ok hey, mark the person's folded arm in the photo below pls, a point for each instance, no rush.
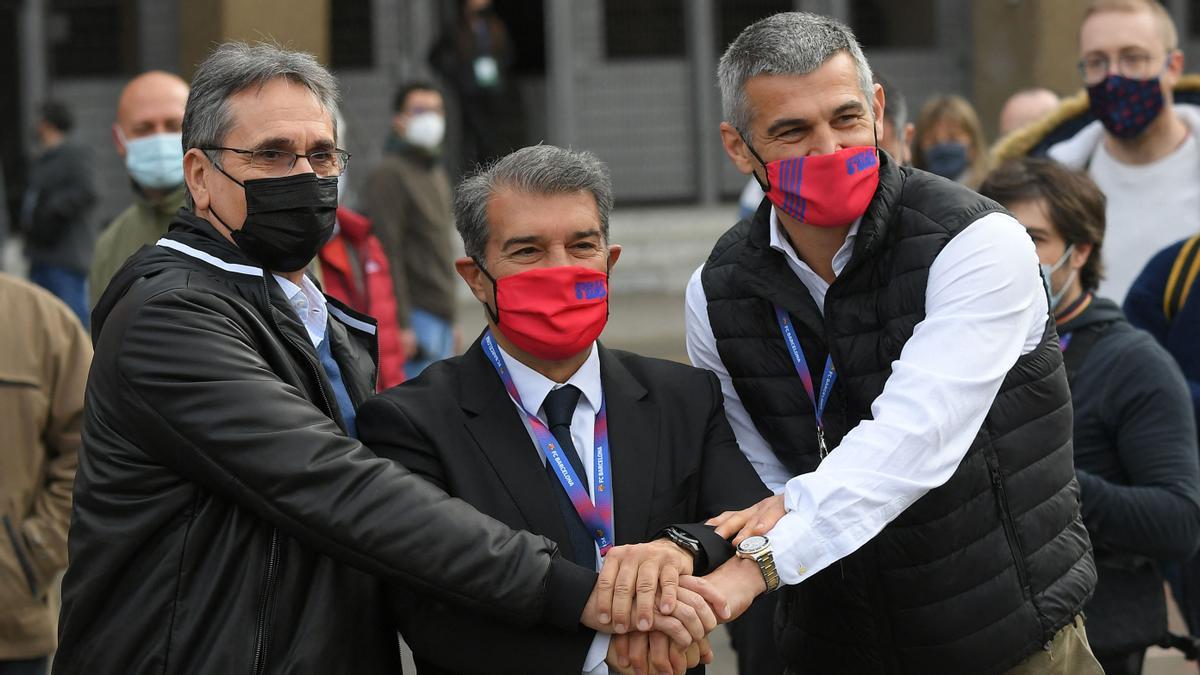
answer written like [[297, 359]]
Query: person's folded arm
[[211, 409], [984, 296], [1157, 514]]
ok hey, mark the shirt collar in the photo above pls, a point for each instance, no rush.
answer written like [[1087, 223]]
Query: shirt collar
[[533, 386], [779, 242], [314, 322]]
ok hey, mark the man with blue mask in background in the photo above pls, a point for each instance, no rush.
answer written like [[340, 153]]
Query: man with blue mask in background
[[146, 133]]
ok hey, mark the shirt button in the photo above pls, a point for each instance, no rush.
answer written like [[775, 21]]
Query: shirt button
[[802, 570]]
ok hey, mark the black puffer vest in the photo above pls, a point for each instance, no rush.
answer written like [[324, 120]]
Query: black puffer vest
[[979, 573]]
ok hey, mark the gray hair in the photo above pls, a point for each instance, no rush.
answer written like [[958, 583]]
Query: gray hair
[[234, 67], [538, 169], [790, 43]]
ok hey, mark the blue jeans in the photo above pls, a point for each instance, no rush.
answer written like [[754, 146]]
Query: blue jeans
[[70, 287], [435, 341]]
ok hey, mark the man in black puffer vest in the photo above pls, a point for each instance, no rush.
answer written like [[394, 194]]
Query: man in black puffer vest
[[927, 512]]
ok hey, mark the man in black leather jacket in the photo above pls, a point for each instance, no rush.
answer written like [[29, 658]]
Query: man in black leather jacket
[[225, 519]]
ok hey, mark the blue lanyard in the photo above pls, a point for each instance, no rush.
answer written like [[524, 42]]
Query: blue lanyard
[[1064, 341], [827, 378], [597, 517]]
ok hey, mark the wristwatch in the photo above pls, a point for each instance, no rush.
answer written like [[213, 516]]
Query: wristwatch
[[758, 549], [687, 542]]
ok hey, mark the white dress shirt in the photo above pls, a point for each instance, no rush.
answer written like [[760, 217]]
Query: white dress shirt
[[309, 305], [533, 388], [985, 305]]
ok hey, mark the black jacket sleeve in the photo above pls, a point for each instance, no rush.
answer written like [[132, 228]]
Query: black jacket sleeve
[[727, 481], [210, 408], [450, 637], [1158, 513]]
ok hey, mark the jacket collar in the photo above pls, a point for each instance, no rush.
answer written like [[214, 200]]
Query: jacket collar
[[633, 427], [195, 239]]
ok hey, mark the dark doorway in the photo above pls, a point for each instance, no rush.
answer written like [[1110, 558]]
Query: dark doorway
[[12, 127]]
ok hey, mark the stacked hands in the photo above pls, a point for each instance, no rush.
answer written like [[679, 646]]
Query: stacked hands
[[659, 614]]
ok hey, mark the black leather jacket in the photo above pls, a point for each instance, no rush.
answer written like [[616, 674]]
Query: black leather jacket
[[224, 522]]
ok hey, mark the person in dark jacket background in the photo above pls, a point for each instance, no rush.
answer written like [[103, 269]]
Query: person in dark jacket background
[[56, 215], [225, 518], [1158, 303], [1135, 439]]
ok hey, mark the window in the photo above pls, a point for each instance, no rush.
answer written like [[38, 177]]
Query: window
[[734, 15], [351, 37], [644, 29], [92, 38], [888, 24]]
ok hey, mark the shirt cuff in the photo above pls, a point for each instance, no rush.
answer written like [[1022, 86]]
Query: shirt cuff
[[798, 553], [594, 663]]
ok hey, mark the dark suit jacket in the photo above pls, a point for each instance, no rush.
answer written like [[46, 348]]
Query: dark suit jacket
[[674, 460]]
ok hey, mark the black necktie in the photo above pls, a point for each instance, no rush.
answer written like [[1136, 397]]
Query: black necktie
[[559, 407]]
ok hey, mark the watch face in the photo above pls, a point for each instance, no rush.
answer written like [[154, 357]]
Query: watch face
[[752, 544]]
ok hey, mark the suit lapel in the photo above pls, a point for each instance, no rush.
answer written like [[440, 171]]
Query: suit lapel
[[633, 439], [496, 426]]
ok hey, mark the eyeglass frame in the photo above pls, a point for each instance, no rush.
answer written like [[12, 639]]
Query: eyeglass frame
[[1145, 59], [296, 156]]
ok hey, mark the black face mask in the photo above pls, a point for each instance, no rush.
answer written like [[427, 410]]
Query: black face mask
[[288, 219]]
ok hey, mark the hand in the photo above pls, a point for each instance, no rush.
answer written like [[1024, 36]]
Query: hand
[[408, 342], [653, 652], [739, 580], [636, 574], [758, 519]]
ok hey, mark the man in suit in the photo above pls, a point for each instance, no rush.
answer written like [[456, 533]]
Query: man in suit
[[544, 429]]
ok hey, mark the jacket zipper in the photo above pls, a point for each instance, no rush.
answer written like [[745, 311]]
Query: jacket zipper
[[261, 639], [262, 636], [26, 568], [1010, 532]]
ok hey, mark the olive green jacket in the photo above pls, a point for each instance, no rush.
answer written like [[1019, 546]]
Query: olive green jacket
[[139, 225]]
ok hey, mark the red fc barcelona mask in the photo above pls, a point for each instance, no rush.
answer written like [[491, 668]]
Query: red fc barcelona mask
[[552, 313], [823, 190]]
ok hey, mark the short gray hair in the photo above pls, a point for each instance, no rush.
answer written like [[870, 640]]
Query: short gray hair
[[539, 170], [790, 43], [234, 67]]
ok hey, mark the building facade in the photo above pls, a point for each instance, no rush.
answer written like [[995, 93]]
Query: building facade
[[631, 80]]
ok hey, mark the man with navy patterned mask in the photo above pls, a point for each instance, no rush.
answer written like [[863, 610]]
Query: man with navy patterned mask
[[1141, 149]]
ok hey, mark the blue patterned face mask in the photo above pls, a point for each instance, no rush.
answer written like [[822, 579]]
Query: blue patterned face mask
[[155, 162], [1126, 106]]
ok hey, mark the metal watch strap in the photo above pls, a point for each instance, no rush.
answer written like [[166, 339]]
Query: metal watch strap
[[766, 566]]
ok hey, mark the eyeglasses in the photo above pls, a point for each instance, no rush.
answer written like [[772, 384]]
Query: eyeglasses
[[1134, 65], [324, 163]]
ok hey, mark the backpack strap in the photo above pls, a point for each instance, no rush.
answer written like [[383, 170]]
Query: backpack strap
[[1183, 274]]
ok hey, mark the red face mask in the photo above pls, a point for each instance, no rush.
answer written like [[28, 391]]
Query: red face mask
[[551, 312], [823, 190]]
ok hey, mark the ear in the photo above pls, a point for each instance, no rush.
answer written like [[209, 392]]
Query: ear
[[196, 170], [736, 148], [1175, 63], [120, 144], [1080, 255], [877, 104], [614, 252], [477, 281], [398, 124]]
